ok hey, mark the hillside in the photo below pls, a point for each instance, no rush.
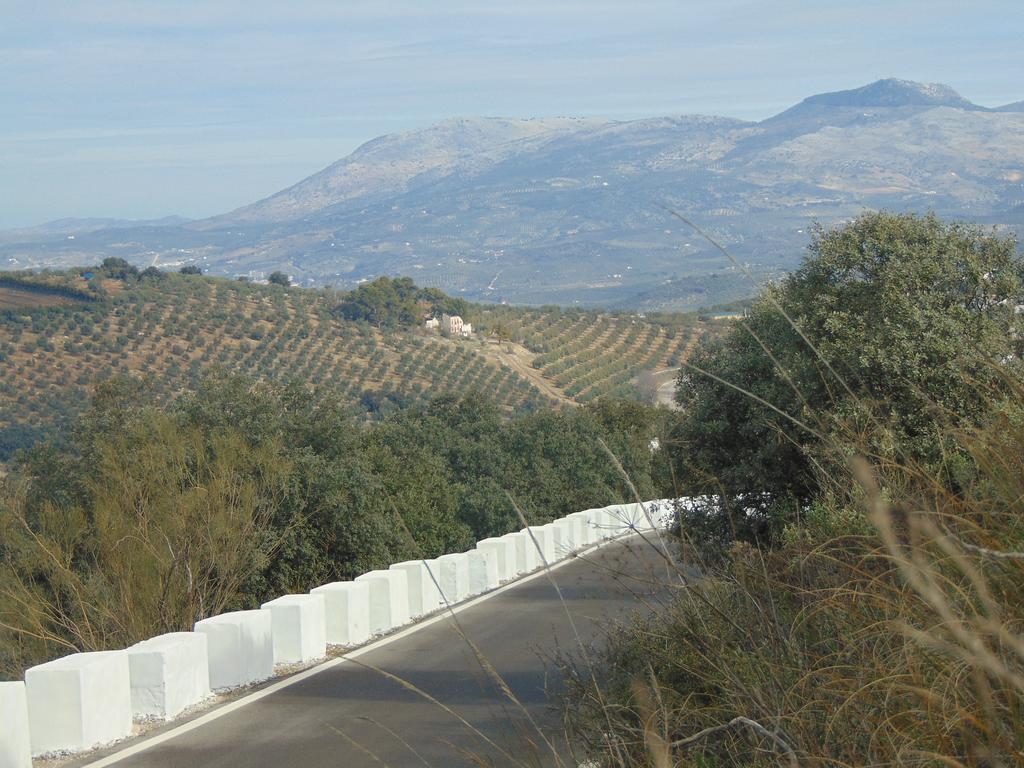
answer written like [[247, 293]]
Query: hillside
[[569, 211], [171, 328]]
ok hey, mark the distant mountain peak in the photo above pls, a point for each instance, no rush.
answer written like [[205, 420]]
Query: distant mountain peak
[[1017, 106], [892, 92]]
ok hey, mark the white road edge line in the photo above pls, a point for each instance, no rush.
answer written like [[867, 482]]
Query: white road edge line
[[209, 717]]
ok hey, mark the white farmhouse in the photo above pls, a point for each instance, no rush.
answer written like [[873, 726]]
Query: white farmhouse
[[451, 324]]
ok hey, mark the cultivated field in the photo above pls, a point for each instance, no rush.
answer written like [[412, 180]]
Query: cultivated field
[[18, 298], [585, 355], [171, 330]]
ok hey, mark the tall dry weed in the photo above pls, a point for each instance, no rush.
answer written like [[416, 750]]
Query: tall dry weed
[[886, 629]]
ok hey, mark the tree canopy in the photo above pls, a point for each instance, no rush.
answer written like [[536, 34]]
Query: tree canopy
[[279, 278], [243, 490], [118, 268], [397, 303], [902, 322]]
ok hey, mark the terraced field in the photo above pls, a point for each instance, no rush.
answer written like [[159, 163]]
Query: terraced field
[[586, 355], [172, 329]]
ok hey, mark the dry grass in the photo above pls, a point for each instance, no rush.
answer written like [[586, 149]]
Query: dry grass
[[885, 628], [19, 299], [893, 640]]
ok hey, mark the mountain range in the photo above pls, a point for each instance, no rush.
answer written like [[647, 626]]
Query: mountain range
[[576, 210]]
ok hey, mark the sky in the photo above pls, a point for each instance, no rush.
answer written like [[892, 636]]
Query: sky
[[147, 108]]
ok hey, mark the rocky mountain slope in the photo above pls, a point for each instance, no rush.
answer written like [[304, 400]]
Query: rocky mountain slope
[[566, 210]]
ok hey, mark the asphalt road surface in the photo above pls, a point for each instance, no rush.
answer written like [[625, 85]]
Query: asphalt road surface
[[353, 715]]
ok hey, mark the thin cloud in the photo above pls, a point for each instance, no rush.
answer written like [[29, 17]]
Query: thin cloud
[[97, 86]]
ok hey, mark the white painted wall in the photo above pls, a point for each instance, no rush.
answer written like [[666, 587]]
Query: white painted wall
[[558, 540], [579, 530], [635, 517], [608, 523], [434, 577], [591, 519], [568, 537]]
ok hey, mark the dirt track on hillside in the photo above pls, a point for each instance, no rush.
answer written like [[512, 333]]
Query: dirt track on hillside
[[519, 361]]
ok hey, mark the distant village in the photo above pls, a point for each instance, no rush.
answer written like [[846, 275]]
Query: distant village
[[449, 325]]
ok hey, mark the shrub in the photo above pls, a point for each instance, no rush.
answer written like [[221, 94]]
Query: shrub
[[889, 327]]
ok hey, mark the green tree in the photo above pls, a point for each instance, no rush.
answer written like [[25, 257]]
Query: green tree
[[279, 278], [243, 489], [397, 303], [166, 527], [118, 268], [908, 321]]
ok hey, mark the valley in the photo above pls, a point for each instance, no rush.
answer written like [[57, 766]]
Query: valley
[[573, 211]]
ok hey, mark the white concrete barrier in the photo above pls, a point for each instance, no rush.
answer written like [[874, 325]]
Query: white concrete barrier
[[652, 514], [298, 628], [527, 557], [586, 525], [240, 646], [582, 530], [543, 542], [483, 570], [658, 514], [663, 513], [453, 570], [169, 673], [504, 549], [346, 611], [608, 523], [592, 522], [568, 537], [79, 702], [517, 566], [15, 748], [623, 517], [638, 517], [557, 540], [389, 600], [434, 578], [424, 596], [88, 699]]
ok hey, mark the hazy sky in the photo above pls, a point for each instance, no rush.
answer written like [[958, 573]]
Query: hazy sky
[[136, 108]]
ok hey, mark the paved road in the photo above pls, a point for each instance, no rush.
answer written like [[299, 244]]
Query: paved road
[[351, 716]]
